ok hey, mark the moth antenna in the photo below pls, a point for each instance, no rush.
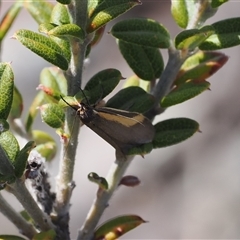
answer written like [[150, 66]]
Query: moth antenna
[[85, 97]]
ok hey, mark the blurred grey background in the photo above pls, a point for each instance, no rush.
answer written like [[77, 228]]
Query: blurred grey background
[[187, 191]]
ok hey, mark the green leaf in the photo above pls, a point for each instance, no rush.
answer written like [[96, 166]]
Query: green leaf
[[52, 114], [191, 39], [180, 12], [11, 237], [102, 83], [20, 162], [40, 10], [218, 3], [42, 46], [100, 181], [116, 227], [60, 15], [146, 62], [6, 89], [201, 65], [133, 99], [10, 144], [46, 145], [17, 105], [173, 131], [184, 92], [46, 27], [135, 81], [38, 100], [104, 11], [67, 31], [145, 32], [9, 17], [226, 34]]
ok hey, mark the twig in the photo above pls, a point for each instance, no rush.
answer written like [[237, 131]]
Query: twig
[[115, 174], [24, 227]]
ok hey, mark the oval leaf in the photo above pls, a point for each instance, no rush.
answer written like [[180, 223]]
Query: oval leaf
[[104, 11], [102, 83], [146, 62], [116, 227], [180, 12], [145, 32], [42, 46], [100, 181], [184, 92], [226, 34], [173, 131], [10, 144], [52, 114], [60, 15], [6, 89]]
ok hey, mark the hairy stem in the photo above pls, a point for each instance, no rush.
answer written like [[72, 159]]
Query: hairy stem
[[114, 176], [24, 227]]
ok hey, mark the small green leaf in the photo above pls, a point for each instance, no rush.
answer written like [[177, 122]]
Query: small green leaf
[[100, 181], [6, 89], [145, 32], [40, 10], [10, 144], [191, 39], [131, 99], [38, 101], [146, 62], [105, 11], [9, 18], [184, 92], [11, 237], [116, 227], [180, 12], [173, 131], [67, 31], [21, 159], [218, 3], [52, 114], [17, 105], [102, 83], [226, 34], [60, 15], [46, 145], [42, 46]]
